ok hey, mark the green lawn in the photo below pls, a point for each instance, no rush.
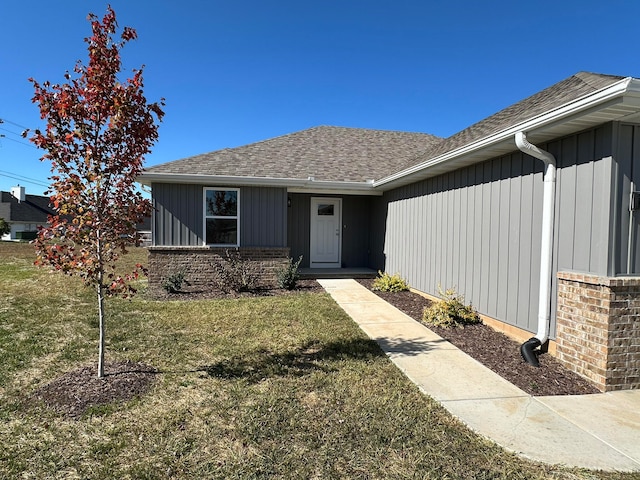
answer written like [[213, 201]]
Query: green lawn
[[269, 387]]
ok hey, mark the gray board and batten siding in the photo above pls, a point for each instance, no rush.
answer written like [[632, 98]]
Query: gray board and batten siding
[[266, 220], [626, 257], [178, 215], [478, 228]]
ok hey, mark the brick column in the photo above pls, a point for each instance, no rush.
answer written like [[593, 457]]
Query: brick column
[[598, 328]]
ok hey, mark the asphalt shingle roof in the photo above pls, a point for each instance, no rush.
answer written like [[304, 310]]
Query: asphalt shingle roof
[[570, 89], [357, 155], [325, 153], [34, 209]]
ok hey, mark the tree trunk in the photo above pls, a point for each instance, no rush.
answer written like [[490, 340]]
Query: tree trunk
[[100, 292]]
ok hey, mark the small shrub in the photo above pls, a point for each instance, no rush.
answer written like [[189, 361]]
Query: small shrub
[[389, 283], [5, 228], [288, 276], [173, 283], [235, 273], [450, 311]]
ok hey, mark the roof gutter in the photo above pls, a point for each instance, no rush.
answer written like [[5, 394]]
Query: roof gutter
[[626, 85], [546, 248], [298, 184]]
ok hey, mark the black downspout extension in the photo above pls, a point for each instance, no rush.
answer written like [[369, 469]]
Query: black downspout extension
[[527, 351]]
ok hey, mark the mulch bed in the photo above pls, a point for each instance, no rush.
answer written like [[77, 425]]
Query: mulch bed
[[75, 392], [192, 293], [497, 352]]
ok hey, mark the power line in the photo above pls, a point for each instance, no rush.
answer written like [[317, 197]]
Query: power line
[[12, 175], [18, 141], [18, 175], [23, 179], [17, 134], [4, 120]]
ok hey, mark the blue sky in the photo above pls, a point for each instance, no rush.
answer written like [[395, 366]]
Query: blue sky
[[236, 72]]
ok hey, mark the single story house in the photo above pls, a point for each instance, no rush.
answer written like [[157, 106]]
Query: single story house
[[529, 213], [24, 213]]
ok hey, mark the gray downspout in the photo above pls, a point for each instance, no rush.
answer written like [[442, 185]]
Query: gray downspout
[[546, 248]]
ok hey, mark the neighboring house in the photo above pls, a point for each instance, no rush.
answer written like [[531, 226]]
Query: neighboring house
[[144, 231], [24, 213], [465, 212]]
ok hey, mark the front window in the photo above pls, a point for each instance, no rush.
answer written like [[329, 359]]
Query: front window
[[221, 216]]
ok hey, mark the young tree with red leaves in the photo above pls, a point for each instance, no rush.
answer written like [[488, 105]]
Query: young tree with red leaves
[[97, 133]]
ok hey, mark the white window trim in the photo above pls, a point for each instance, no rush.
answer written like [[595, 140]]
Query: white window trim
[[205, 217]]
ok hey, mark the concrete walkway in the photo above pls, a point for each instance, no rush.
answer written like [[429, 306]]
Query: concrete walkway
[[599, 431]]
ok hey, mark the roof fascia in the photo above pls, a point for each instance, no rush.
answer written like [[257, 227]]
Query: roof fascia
[[628, 85], [295, 185], [337, 190], [148, 178]]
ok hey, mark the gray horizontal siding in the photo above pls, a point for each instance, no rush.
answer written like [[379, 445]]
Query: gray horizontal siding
[[478, 229], [178, 215]]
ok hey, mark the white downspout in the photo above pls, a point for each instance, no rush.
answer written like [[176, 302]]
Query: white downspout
[[546, 248]]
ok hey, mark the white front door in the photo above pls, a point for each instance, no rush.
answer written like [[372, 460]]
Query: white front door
[[326, 232]]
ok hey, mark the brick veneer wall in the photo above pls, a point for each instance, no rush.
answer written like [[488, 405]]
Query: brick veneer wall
[[198, 264], [598, 328]]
